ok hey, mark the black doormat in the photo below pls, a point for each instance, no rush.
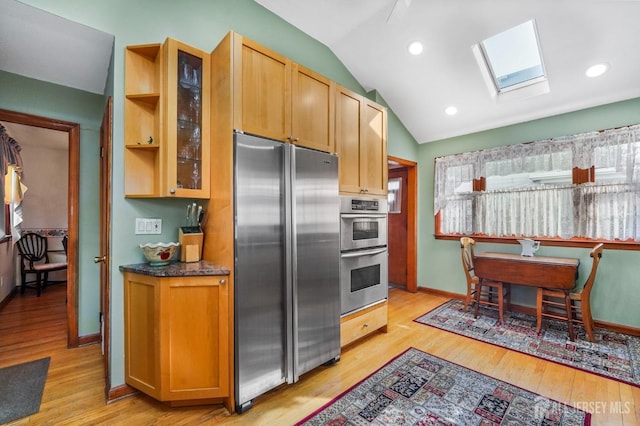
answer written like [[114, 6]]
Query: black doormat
[[21, 388]]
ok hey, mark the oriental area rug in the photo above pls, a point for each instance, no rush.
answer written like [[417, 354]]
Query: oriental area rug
[[613, 355], [417, 388]]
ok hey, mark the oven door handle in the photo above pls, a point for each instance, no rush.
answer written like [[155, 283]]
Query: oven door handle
[[362, 216], [363, 253]]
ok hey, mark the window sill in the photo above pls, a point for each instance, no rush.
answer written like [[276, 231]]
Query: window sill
[[574, 242]]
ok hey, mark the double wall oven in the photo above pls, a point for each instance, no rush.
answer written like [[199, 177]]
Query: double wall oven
[[363, 252]]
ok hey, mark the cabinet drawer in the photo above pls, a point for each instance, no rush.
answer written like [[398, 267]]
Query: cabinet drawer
[[359, 324]]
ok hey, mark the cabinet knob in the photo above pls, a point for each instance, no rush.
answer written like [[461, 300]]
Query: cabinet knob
[[365, 325], [290, 137], [172, 191], [296, 139], [223, 281]]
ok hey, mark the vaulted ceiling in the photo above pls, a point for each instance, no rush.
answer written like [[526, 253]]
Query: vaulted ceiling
[[371, 37]]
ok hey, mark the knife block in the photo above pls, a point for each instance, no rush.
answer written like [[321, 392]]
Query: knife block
[[190, 238]]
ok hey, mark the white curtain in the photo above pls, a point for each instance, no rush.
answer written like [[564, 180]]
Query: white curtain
[[530, 192]]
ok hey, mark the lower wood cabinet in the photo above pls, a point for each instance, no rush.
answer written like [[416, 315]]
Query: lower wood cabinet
[[177, 337], [362, 323]]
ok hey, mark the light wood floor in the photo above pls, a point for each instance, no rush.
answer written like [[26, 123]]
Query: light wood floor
[[31, 328]]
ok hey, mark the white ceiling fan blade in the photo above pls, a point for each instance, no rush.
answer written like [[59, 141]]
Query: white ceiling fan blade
[[399, 10]]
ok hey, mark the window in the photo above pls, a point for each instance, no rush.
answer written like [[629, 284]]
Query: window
[[583, 186], [512, 60], [394, 195]]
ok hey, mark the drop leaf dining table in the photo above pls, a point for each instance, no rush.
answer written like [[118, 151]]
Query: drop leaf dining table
[[558, 273]]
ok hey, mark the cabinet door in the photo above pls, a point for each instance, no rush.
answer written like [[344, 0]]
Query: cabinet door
[[312, 110], [185, 167], [141, 346], [373, 163], [194, 337], [349, 106], [262, 91]]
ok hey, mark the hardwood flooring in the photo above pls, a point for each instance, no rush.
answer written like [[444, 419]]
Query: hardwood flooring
[[31, 328]]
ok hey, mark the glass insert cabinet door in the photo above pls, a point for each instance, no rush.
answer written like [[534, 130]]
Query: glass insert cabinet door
[[187, 115]]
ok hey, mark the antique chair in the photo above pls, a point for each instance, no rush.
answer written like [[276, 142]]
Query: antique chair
[[34, 255], [572, 306], [479, 291]]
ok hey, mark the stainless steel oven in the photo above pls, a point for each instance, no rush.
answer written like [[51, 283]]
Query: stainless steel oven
[[363, 223], [363, 252]]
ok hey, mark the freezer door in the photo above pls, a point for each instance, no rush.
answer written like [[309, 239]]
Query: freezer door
[[316, 259], [260, 277]]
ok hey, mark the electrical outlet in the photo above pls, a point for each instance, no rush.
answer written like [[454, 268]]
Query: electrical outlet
[[148, 226]]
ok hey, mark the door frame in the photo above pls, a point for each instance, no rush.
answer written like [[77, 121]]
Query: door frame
[[412, 220], [73, 187], [105, 241]]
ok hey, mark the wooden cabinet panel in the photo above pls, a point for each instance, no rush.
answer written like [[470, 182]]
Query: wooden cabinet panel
[[278, 99], [141, 349], [313, 100], [361, 143], [349, 107], [374, 149], [362, 323], [177, 337], [264, 85]]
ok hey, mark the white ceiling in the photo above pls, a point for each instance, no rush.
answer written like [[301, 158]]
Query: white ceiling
[[574, 34], [46, 47]]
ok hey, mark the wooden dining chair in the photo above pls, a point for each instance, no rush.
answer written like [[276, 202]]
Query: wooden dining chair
[[34, 259], [573, 306], [481, 291]]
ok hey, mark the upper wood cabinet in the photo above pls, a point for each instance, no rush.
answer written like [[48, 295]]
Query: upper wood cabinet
[[361, 143], [279, 99], [167, 141]]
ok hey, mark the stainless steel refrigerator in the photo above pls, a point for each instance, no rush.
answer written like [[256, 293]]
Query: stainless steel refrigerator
[[287, 253]]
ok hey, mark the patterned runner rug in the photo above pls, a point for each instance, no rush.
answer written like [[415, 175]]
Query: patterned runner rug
[[612, 355], [416, 388]]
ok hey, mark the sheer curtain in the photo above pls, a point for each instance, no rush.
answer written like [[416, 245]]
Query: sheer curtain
[[529, 189]]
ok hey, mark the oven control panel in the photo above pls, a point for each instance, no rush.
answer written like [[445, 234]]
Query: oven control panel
[[363, 205]]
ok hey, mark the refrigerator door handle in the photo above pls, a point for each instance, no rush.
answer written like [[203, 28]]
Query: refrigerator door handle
[[362, 253], [291, 308]]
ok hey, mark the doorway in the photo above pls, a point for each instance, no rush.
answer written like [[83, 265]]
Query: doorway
[[403, 203], [73, 134]]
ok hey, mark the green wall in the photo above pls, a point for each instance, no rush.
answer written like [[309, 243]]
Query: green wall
[[201, 24], [614, 297], [49, 100]]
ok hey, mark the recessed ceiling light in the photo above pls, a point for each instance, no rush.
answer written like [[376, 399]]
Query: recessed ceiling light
[[415, 48], [597, 70], [451, 110]]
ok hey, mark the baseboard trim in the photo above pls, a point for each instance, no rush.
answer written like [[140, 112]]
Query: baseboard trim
[[9, 297], [120, 392], [616, 328], [88, 339]]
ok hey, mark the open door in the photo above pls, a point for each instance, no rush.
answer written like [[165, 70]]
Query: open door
[[403, 269], [105, 244], [73, 187]]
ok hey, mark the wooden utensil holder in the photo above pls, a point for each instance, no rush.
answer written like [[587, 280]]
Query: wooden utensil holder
[[190, 238]]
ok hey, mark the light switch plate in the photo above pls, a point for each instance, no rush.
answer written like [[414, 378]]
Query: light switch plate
[[145, 226]]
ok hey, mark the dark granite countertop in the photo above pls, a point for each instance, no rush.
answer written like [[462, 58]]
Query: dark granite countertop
[[177, 269]]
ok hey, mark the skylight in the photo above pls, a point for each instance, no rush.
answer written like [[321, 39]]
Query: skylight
[[512, 60]]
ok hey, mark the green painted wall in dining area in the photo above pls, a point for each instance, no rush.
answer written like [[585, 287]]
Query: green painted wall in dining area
[[615, 295]]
